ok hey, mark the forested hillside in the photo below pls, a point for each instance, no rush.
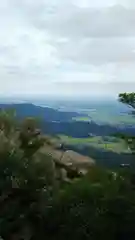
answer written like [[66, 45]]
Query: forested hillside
[[41, 198]]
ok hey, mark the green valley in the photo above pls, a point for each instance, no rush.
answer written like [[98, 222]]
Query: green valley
[[107, 117], [104, 143]]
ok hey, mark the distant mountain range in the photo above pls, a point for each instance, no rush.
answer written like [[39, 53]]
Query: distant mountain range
[[55, 122], [61, 122], [45, 113]]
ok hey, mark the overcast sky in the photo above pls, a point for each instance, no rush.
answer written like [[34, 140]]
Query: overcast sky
[[67, 47]]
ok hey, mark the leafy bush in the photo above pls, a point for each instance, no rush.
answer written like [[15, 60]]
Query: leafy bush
[[99, 206], [26, 177]]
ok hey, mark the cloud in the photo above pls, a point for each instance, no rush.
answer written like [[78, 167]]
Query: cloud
[[96, 51], [88, 35], [66, 46], [75, 22], [23, 47], [102, 18]]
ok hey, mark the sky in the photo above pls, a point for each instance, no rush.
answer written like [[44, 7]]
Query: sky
[[67, 47]]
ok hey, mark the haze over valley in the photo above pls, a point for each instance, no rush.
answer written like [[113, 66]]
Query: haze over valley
[[86, 126]]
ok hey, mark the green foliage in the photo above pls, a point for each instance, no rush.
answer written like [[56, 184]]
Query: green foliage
[[21, 184], [26, 181], [99, 206], [127, 98], [108, 143], [7, 121]]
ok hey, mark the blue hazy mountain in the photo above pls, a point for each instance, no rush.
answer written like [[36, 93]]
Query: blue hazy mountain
[[58, 117], [45, 113]]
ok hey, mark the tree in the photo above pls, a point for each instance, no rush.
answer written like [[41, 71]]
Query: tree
[[26, 176], [128, 99], [30, 136], [98, 206]]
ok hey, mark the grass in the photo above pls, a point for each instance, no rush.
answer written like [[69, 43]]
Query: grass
[[97, 142], [86, 119], [107, 118], [79, 140], [112, 119]]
